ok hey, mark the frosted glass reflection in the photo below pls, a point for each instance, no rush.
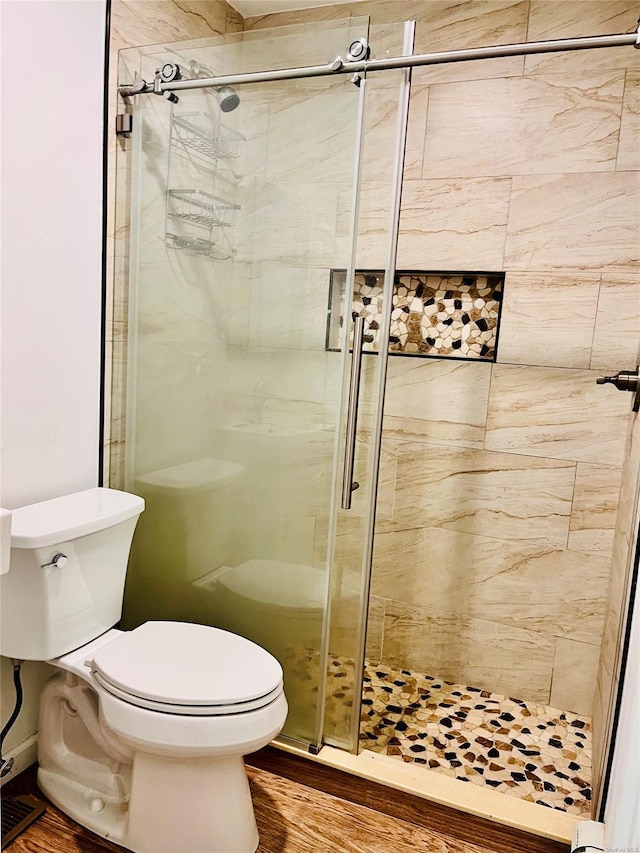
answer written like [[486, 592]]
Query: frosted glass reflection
[[233, 398]]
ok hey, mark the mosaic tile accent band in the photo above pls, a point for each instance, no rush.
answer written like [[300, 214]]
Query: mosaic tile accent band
[[534, 752], [453, 315]]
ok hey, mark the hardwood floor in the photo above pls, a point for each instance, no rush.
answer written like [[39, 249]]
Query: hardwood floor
[[294, 817], [441, 821]]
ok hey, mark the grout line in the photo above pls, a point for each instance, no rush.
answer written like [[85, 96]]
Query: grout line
[[573, 497], [595, 322]]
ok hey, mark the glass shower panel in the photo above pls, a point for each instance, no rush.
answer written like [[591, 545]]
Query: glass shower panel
[[351, 558], [494, 553], [233, 399]]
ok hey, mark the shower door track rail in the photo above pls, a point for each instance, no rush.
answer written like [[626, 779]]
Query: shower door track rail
[[338, 66]]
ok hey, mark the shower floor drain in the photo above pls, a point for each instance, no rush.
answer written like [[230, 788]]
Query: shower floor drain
[[17, 814]]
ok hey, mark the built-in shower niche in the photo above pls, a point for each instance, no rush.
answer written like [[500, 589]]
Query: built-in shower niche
[[435, 314]]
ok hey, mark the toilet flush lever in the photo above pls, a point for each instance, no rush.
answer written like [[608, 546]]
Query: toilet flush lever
[[625, 380], [58, 561]]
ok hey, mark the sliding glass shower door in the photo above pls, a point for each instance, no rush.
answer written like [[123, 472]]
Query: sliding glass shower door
[[242, 212]]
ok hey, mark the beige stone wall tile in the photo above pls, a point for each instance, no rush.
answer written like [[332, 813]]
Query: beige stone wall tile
[[311, 136], [115, 463], [234, 21], [556, 413], [287, 307], [489, 494], [381, 128], [600, 720], [477, 652], [621, 566], [293, 43], [595, 508], [486, 69], [351, 532], [368, 390], [629, 147], [414, 154], [291, 376], [292, 224], [344, 615], [300, 16], [110, 250], [385, 40], [552, 592], [120, 316], [375, 628], [617, 330], [439, 400], [115, 394], [452, 26], [434, 431], [372, 247], [548, 318], [386, 476], [440, 25], [521, 126], [556, 19], [108, 371], [453, 224], [557, 223], [137, 22], [175, 369], [445, 25], [444, 225], [239, 309], [575, 668], [582, 221]]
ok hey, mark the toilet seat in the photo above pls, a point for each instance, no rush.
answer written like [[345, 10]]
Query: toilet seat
[[189, 710], [184, 668]]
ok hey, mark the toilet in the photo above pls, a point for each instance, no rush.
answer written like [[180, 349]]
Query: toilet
[[142, 733]]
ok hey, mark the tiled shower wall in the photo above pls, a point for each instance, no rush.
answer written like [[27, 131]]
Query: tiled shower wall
[[499, 484], [133, 23]]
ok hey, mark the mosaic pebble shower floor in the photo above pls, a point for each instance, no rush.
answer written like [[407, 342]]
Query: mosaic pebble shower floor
[[534, 752]]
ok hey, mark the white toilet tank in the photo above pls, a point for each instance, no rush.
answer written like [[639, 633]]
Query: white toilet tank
[[67, 569]]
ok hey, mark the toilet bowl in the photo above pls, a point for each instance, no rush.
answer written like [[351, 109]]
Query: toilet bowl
[[142, 733]]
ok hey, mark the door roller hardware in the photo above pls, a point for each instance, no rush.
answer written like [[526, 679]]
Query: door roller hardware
[[358, 50]]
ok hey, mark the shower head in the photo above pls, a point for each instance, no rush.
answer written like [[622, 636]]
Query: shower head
[[228, 98]]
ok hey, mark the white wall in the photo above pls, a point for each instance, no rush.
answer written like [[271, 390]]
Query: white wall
[[52, 122], [622, 818]]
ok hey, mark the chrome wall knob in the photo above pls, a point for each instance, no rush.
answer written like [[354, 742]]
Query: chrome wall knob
[[625, 380]]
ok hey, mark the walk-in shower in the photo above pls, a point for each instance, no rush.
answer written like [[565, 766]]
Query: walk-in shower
[[363, 316]]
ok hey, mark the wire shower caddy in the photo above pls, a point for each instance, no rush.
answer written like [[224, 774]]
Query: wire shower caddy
[[195, 216]]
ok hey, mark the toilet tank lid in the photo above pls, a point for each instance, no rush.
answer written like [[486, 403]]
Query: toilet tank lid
[[199, 475], [71, 516]]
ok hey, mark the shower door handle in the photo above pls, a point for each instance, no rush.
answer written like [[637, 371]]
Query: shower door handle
[[348, 484]]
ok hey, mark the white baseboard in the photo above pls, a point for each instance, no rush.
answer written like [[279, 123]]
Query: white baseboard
[[24, 754], [588, 837]]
